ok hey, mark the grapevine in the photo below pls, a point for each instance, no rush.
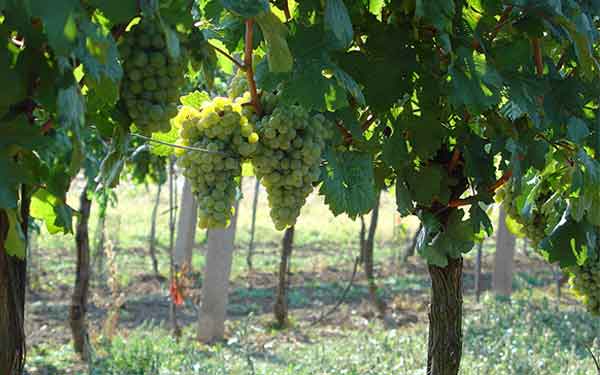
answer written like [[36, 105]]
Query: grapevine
[[219, 127], [152, 78]]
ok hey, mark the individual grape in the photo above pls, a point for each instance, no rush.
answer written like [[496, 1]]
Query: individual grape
[[152, 80], [214, 175], [288, 159]]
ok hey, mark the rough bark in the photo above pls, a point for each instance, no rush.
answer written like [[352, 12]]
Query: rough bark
[[253, 226], [78, 309], [478, 271], [215, 286], [186, 228], [13, 280], [367, 250], [152, 239], [504, 258], [280, 308], [445, 319]]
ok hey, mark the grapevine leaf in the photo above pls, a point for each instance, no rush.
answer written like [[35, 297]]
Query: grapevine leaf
[[480, 220], [577, 130], [117, 11], [278, 53], [52, 210], [404, 199], [246, 8], [348, 185], [98, 53], [567, 241], [348, 83], [168, 137], [15, 244], [195, 99], [429, 184], [71, 107], [337, 20], [173, 46], [59, 18], [438, 13]]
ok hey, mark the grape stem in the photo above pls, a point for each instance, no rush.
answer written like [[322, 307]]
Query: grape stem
[[248, 50], [228, 56], [495, 186], [189, 148]]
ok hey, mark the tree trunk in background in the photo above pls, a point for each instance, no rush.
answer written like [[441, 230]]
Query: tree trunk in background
[[280, 308], [504, 258], [367, 258], [152, 240], [215, 286], [78, 309], [445, 319], [478, 271], [253, 226], [13, 280], [410, 250], [186, 228]]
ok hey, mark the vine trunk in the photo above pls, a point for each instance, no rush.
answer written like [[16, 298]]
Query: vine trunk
[[445, 319], [78, 309]]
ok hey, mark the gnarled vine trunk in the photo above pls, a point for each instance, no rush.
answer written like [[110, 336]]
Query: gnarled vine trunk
[[367, 249], [13, 281], [78, 309], [280, 308], [445, 319]]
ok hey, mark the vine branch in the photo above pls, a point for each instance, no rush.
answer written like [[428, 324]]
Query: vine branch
[[228, 56], [248, 49], [454, 203], [189, 148]]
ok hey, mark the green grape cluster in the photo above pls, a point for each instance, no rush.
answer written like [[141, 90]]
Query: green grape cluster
[[238, 85], [228, 139], [152, 79], [585, 281], [533, 227], [288, 159]]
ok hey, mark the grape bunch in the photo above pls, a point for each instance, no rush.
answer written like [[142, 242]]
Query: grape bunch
[[152, 78], [238, 85], [585, 281], [228, 139], [533, 227], [288, 158]]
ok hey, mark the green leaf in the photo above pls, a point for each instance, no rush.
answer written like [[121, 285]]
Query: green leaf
[[275, 33], [439, 13], [337, 20], [172, 39], [52, 210], [480, 220], [71, 107], [577, 130], [567, 241], [117, 11], [404, 201], [195, 99], [59, 23], [429, 184], [246, 8], [347, 82], [168, 137], [15, 243], [348, 185]]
